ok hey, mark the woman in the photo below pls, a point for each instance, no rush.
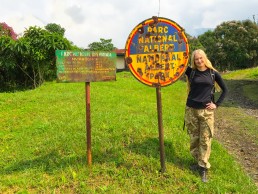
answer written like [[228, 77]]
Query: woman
[[200, 107]]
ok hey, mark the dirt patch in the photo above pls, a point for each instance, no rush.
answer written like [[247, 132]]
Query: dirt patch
[[233, 137]]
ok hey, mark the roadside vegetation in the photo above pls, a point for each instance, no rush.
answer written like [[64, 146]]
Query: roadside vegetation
[[43, 142], [237, 119], [243, 99]]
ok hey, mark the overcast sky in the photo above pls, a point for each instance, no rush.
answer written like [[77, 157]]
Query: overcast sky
[[86, 21]]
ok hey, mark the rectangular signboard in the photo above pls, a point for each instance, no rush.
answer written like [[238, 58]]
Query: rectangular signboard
[[85, 66]]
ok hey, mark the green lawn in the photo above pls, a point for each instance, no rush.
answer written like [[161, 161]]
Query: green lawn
[[43, 142]]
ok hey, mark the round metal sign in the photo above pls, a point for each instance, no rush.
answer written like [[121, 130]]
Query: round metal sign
[[157, 51]]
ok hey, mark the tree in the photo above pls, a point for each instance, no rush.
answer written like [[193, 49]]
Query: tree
[[103, 45], [6, 30], [7, 60], [55, 28], [233, 44], [194, 44], [211, 45], [38, 61], [7, 63], [30, 60]]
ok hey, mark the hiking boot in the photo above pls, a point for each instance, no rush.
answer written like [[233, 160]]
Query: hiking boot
[[194, 167], [204, 174]]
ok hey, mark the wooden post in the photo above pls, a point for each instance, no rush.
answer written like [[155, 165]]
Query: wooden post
[[161, 131], [88, 123]]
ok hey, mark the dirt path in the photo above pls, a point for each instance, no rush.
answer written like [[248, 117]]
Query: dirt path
[[236, 140]]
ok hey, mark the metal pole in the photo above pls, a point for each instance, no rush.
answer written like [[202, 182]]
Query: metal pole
[[161, 132], [88, 122]]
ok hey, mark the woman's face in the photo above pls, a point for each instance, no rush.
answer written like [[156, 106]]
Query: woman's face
[[199, 61]]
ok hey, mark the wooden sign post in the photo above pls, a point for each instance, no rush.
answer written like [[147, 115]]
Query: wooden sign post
[[157, 55], [88, 123], [86, 66]]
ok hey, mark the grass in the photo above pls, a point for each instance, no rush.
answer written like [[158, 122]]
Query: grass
[[245, 81], [246, 74], [250, 76], [43, 142], [251, 92], [238, 119]]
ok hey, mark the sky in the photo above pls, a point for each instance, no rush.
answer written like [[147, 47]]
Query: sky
[[86, 21]]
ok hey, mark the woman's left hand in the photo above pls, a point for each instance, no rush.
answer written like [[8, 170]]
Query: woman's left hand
[[211, 106]]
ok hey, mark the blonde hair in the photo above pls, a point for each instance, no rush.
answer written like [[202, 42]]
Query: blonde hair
[[207, 64], [205, 58]]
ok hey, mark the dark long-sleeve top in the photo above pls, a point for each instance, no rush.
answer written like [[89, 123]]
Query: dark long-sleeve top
[[201, 88]]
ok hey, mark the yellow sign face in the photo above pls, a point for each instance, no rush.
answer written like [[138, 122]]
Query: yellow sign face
[[157, 52]]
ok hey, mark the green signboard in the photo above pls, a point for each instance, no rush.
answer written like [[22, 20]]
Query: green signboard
[[85, 66]]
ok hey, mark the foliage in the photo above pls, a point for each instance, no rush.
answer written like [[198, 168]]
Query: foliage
[[55, 28], [32, 58], [43, 142], [194, 44], [7, 62], [208, 40], [41, 52], [6, 30], [103, 45], [232, 45], [7, 57]]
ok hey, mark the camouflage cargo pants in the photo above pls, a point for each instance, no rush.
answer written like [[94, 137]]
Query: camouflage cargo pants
[[200, 127]]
